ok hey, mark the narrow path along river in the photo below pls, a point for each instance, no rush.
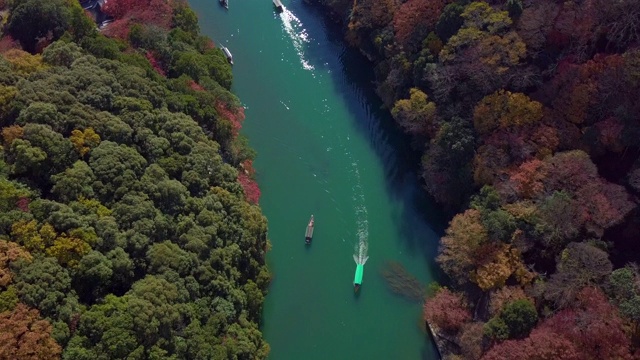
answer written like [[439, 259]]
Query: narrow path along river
[[325, 148]]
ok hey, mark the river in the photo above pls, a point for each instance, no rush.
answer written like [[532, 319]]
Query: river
[[326, 148]]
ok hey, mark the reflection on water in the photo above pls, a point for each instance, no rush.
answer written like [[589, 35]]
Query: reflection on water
[[293, 27]]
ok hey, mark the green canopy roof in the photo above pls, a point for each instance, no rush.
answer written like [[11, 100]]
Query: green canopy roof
[[359, 272]]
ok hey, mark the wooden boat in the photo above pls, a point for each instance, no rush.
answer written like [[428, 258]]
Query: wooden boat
[[227, 53], [308, 235], [278, 5], [225, 4], [357, 279]]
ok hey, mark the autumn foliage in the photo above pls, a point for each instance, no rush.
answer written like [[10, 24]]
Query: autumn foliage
[[157, 66], [527, 179], [84, 141], [414, 15], [367, 14], [7, 43], [118, 29], [505, 109], [195, 86], [465, 238], [23, 62], [503, 296], [11, 133], [128, 12], [468, 254], [599, 203], [246, 177], [540, 344], [234, 116], [446, 310], [156, 12], [119, 8], [10, 252], [526, 114], [126, 190], [417, 115], [24, 336], [590, 330]]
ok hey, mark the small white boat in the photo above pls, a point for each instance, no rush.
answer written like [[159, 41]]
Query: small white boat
[[227, 53]]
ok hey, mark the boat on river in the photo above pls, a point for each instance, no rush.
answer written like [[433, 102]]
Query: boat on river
[[225, 4], [278, 5], [357, 279], [308, 235], [227, 53]]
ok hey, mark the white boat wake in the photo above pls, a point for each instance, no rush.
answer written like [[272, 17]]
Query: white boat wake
[[293, 27], [361, 247]]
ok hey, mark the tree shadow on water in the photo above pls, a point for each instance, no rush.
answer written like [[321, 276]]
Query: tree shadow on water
[[402, 283]]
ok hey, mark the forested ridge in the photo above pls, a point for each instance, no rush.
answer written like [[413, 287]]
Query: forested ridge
[[129, 224], [527, 115]]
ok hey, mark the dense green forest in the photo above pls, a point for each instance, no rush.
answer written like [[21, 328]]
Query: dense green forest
[[129, 224], [527, 115]]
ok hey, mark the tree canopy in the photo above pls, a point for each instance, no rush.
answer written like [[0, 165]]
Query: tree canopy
[[129, 224], [526, 115]]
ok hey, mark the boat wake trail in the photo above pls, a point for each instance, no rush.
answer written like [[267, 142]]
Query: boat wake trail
[[362, 245], [293, 27]]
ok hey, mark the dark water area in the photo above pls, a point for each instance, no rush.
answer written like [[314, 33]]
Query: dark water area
[[326, 147]]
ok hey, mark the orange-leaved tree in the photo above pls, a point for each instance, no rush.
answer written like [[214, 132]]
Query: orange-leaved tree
[[10, 252], [11, 133], [461, 246], [24, 336]]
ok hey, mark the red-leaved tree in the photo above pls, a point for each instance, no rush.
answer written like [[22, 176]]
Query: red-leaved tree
[[526, 179], [235, 116], [593, 325], [119, 8], [599, 204], [446, 310], [591, 330], [118, 29], [157, 66], [195, 86], [540, 345], [251, 189], [7, 43], [23, 204], [415, 19], [147, 12]]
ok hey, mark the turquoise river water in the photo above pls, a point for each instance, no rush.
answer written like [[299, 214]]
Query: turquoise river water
[[326, 148]]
